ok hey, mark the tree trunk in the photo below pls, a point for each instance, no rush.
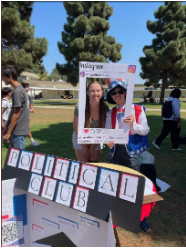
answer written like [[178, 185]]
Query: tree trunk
[[164, 79]]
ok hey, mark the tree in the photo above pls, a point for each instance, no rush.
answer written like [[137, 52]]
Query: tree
[[54, 75], [42, 76], [19, 46], [37, 68], [85, 37], [165, 59]]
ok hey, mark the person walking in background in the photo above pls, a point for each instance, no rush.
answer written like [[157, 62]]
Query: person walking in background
[[31, 109], [144, 97], [17, 125], [6, 93], [95, 116], [173, 124]]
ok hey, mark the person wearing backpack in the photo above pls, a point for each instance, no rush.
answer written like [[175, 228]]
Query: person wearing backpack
[[171, 121]]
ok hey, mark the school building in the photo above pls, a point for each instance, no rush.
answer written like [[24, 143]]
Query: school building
[[56, 90]]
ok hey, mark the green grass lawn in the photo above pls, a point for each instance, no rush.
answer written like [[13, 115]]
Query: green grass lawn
[[56, 102], [73, 102], [53, 128]]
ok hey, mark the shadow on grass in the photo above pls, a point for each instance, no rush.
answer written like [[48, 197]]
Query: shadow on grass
[[149, 104], [55, 103], [168, 218]]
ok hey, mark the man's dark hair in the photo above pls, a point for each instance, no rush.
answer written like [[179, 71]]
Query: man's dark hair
[[25, 85], [176, 93], [8, 71], [5, 91]]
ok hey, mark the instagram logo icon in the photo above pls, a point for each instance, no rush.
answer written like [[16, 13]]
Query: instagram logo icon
[[132, 69]]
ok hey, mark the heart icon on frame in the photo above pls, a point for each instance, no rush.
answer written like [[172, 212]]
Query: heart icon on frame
[[85, 130]]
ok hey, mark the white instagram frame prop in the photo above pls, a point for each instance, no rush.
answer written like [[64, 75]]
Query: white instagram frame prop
[[104, 70]]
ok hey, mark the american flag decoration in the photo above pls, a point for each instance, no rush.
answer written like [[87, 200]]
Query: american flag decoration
[[18, 242], [14, 218], [110, 80], [82, 74]]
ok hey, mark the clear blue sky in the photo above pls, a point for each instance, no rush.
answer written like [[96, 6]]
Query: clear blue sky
[[127, 25]]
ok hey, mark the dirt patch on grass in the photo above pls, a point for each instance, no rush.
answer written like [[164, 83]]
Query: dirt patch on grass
[[151, 239], [48, 116], [128, 239]]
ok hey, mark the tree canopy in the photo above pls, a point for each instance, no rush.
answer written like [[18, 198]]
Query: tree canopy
[[54, 75], [85, 37], [165, 58], [19, 46]]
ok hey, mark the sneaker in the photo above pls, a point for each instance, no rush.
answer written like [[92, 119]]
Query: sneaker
[[144, 225], [177, 149], [155, 145], [34, 143]]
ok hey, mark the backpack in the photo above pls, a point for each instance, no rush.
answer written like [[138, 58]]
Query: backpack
[[166, 110], [182, 139]]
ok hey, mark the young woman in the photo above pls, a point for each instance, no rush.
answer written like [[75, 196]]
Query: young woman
[[95, 117]]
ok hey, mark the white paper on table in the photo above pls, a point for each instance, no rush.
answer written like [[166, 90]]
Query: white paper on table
[[7, 209], [148, 187], [163, 185]]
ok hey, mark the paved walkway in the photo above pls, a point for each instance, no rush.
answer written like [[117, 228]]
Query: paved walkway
[[67, 107]]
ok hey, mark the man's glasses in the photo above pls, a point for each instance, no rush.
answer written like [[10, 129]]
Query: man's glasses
[[113, 93]]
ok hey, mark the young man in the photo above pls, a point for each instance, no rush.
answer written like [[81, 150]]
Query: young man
[[127, 155], [172, 124], [26, 87], [6, 94], [17, 125], [138, 140]]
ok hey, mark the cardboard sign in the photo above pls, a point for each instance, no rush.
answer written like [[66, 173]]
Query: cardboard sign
[[38, 222], [104, 70], [87, 188]]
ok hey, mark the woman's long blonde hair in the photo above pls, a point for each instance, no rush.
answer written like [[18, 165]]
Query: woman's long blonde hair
[[102, 108]]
